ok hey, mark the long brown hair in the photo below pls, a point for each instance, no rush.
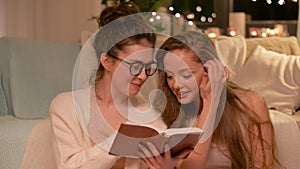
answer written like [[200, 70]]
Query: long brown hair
[[236, 126]]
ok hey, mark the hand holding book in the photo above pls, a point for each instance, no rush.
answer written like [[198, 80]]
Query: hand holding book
[[126, 142], [161, 161]]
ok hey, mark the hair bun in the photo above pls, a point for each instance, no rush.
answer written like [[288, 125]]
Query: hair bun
[[112, 13]]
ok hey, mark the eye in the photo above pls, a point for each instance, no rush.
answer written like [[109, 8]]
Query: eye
[[187, 75], [169, 76], [136, 66]]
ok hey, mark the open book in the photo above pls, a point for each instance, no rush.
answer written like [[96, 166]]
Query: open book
[[130, 135]]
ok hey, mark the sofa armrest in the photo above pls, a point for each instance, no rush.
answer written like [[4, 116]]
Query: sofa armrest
[[287, 137], [296, 116]]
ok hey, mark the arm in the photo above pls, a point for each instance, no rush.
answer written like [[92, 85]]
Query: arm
[[210, 90], [71, 146], [199, 156], [154, 160]]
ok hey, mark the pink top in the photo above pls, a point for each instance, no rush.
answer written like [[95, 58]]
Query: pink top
[[216, 159]]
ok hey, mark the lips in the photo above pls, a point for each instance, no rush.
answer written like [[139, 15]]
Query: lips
[[136, 85], [182, 95]]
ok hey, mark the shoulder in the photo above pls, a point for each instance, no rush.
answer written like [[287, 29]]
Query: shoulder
[[61, 100], [65, 100], [257, 104], [61, 106]]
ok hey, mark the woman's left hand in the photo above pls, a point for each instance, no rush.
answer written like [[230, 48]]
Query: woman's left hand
[[154, 160]]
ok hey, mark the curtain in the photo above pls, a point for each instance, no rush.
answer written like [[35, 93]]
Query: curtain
[[298, 24], [50, 20], [2, 18]]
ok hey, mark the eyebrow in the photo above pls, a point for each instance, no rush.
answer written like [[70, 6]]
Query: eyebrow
[[181, 71], [129, 60]]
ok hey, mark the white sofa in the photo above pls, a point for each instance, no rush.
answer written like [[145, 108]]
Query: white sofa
[[270, 66], [33, 72]]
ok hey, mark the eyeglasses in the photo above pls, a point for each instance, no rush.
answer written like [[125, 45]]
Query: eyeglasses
[[137, 67]]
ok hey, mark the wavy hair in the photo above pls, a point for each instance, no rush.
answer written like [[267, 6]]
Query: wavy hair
[[238, 122]]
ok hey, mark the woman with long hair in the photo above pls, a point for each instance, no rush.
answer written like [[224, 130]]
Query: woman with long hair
[[239, 131]]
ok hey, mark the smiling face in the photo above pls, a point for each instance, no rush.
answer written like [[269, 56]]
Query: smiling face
[[123, 81], [184, 74]]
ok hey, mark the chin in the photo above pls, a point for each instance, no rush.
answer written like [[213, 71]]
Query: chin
[[133, 92]]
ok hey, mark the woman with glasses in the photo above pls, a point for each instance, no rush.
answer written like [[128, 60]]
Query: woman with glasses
[[84, 121]]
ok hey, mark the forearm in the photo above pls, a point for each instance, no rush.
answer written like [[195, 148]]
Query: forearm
[[202, 117], [197, 158], [93, 158], [73, 150]]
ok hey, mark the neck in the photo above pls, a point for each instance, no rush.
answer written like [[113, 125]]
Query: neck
[[104, 94]]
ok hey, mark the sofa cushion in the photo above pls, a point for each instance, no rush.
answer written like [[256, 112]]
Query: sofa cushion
[[39, 150], [284, 45], [275, 76], [232, 52], [13, 139], [287, 138], [3, 105], [34, 72]]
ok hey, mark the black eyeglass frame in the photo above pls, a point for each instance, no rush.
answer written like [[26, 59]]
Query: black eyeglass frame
[[144, 66]]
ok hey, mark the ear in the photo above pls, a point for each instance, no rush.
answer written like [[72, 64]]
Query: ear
[[227, 72], [106, 61]]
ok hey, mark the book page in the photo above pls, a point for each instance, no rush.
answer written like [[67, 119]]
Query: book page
[[184, 130], [183, 138]]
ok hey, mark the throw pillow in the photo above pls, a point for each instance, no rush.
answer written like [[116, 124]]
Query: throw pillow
[[275, 76], [285, 45], [232, 52]]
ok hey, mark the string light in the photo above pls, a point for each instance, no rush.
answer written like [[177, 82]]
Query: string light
[[198, 9], [210, 19], [269, 2], [190, 16], [203, 19], [280, 2], [198, 13], [190, 22], [177, 15], [151, 20], [214, 15]]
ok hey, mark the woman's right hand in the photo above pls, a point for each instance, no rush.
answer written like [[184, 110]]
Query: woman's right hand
[[150, 155], [213, 80], [211, 88]]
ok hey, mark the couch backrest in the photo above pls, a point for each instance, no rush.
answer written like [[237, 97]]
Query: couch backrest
[[284, 45], [33, 72], [269, 66]]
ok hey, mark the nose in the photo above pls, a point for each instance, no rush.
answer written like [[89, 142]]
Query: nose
[[142, 75], [177, 85]]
